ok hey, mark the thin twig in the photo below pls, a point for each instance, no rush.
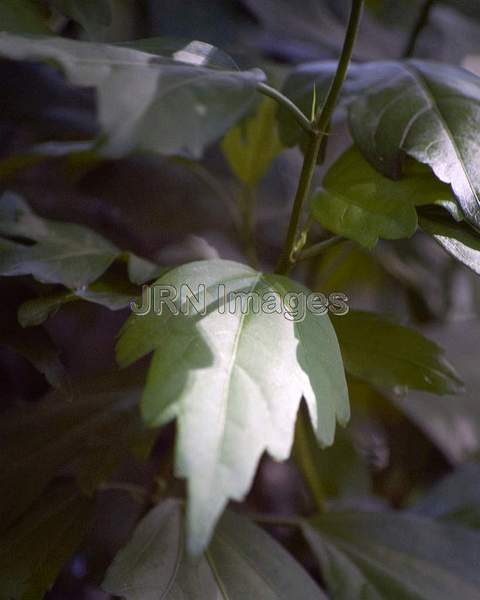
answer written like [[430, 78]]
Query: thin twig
[[420, 24], [321, 126], [297, 114], [316, 249]]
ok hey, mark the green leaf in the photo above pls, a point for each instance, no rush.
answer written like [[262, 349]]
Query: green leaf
[[252, 145], [459, 240], [359, 203], [455, 498], [429, 111], [91, 14], [241, 562], [234, 378], [452, 423], [64, 253], [392, 555], [23, 16], [40, 442], [37, 347], [146, 102], [35, 548], [380, 351], [339, 470]]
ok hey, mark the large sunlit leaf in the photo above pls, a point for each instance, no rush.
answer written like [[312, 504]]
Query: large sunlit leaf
[[459, 240], [64, 253], [42, 441], [146, 102], [359, 203], [35, 548], [429, 111], [392, 555], [241, 562], [386, 354], [233, 377]]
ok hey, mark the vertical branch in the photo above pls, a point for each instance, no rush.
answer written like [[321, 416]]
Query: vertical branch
[[320, 127]]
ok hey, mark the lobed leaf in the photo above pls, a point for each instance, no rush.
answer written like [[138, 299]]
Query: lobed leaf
[[359, 203], [233, 379], [241, 562], [64, 253]]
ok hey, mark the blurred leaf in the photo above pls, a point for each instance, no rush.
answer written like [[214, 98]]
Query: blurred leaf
[[91, 14], [145, 102], [455, 498], [249, 366], [141, 270], [65, 253], [470, 9], [42, 441], [451, 422], [394, 555], [359, 203], [459, 240], [61, 112], [37, 310], [36, 346], [23, 16], [241, 562], [339, 469], [105, 292], [193, 53], [252, 145], [386, 354], [35, 548]]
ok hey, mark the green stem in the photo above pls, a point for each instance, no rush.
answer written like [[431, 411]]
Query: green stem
[[247, 207], [316, 249], [420, 25], [297, 114], [305, 459], [303, 191], [320, 127]]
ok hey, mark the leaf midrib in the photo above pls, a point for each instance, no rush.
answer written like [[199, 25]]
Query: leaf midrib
[[423, 85]]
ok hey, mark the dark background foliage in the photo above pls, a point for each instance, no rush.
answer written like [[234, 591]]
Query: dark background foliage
[[397, 446]]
